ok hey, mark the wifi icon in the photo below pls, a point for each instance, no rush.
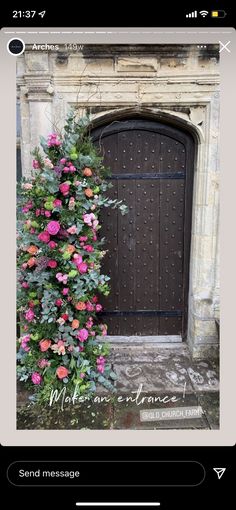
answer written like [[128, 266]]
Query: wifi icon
[[203, 13]]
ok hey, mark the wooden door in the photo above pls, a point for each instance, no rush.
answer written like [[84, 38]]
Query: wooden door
[[148, 249]]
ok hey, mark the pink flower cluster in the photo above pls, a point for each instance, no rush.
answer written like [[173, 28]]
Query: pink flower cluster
[[70, 168], [53, 227], [81, 266], [103, 328], [52, 245], [57, 203], [59, 347], [43, 363], [42, 212], [36, 378], [52, 264], [90, 220], [101, 364], [24, 343], [65, 188], [72, 230], [44, 236], [53, 140], [62, 278], [27, 207], [89, 323], [29, 315], [90, 307], [27, 185], [82, 335], [35, 164]]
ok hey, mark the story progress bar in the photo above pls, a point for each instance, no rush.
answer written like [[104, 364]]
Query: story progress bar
[[118, 504]]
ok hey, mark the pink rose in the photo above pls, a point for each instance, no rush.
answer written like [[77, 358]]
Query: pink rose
[[89, 248], [42, 363], [37, 212], [57, 202], [24, 265], [88, 218], [82, 375], [52, 264], [98, 308], [52, 244], [64, 188], [63, 161], [25, 285], [83, 238], [89, 307], [29, 315], [44, 345], [100, 364], [62, 372], [53, 227], [77, 258], [62, 278], [35, 164], [44, 236], [65, 291], [48, 163], [24, 342], [82, 335], [53, 140], [27, 185], [83, 267], [72, 230], [36, 378], [47, 214], [58, 302]]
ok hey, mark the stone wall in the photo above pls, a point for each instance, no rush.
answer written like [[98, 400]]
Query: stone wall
[[178, 84]]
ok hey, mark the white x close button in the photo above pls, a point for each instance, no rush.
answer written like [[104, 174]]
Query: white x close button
[[224, 46]]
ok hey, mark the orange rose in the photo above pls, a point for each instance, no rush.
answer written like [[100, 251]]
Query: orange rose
[[70, 248], [31, 262], [75, 324], [88, 192], [32, 249], [80, 305], [44, 345], [62, 372], [87, 172]]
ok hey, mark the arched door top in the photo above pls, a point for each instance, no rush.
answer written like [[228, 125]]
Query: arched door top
[[126, 124]]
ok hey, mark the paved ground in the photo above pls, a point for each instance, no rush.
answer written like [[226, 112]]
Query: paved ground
[[148, 378]]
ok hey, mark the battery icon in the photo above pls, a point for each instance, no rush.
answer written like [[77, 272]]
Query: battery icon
[[218, 14]]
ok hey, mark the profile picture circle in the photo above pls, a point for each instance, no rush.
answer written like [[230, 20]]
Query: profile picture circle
[[16, 46]]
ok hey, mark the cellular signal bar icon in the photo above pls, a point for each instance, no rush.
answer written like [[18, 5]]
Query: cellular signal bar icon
[[191, 14]]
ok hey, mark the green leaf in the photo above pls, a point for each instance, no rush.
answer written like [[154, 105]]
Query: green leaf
[[113, 375]]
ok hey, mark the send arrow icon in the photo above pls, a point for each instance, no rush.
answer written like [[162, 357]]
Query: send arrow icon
[[219, 472]]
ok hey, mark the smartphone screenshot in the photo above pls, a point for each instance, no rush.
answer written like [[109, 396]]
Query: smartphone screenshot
[[118, 258]]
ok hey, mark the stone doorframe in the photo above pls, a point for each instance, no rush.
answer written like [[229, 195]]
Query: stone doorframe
[[203, 301]]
